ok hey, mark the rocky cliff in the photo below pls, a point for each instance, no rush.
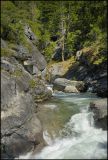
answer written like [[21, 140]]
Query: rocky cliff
[[21, 89]]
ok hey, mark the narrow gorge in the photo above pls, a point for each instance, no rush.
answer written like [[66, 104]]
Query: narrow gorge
[[53, 80]]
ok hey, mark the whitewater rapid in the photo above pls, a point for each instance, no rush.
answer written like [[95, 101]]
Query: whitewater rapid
[[79, 139]]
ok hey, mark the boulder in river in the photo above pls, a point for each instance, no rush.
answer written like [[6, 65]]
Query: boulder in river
[[71, 89], [63, 84], [99, 108]]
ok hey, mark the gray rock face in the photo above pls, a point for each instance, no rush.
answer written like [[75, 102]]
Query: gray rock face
[[20, 128], [99, 108], [63, 84], [101, 87], [94, 76], [22, 53], [19, 123], [39, 58], [7, 66], [35, 57], [29, 33], [3, 43], [55, 71]]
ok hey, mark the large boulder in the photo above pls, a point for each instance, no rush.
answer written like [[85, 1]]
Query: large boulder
[[71, 89], [56, 70], [99, 85], [63, 84], [38, 58], [22, 53], [99, 108]]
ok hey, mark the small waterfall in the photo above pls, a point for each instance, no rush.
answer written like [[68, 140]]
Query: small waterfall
[[50, 87]]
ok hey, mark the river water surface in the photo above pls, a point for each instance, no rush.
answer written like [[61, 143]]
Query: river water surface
[[68, 129]]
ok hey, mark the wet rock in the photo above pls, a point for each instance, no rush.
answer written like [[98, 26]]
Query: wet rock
[[99, 108], [24, 138]]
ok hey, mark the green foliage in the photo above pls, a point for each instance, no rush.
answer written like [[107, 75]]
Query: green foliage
[[35, 28], [85, 23], [100, 60], [32, 83], [6, 52], [13, 18], [49, 50], [17, 73], [72, 40], [46, 36]]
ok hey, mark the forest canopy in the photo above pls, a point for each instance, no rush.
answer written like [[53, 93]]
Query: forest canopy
[[82, 23]]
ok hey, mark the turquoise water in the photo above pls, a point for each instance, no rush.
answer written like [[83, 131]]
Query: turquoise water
[[68, 129]]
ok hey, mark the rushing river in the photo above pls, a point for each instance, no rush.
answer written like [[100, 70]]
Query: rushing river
[[69, 129]]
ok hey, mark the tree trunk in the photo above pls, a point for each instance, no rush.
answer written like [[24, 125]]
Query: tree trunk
[[63, 49], [63, 39]]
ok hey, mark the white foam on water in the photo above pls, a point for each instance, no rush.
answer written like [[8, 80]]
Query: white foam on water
[[89, 144], [50, 87], [26, 156], [79, 139], [47, 138]]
